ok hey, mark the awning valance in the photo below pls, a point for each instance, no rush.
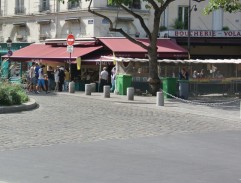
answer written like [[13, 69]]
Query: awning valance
[[122, 47], [194, 61], [42, 51]]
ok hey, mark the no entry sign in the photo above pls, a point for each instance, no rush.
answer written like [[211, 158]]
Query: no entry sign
[[70, 40]]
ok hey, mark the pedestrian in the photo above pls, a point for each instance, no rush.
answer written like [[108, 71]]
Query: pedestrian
[[113, 79], [32, 79], [66, 79], [183, 75], [41, 81], [56, 79], [50, 73], [103, 78], [61, 78]]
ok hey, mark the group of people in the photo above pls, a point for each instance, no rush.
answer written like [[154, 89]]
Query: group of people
[[104, 77], [56, 79], [196, 75]]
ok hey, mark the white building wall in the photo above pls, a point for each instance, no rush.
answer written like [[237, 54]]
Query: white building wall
[[90, 25]]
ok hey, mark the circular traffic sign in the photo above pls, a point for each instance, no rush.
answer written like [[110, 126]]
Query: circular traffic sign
[[70, 40]]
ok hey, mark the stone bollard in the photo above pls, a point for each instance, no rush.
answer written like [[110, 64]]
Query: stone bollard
[[106, 91], [93, 87], [130, 93], [87, 89], [71, 87], [160, 98]]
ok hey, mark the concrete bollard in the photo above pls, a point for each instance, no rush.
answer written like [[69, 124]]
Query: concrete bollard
[[106, 91], [93, 87], [240, 109], [87, 89], [71, 87], [160, 98], [130, 93]]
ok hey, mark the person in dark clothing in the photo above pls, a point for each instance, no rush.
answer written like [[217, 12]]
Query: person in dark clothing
[[183, 75], [50, 73], [61, 78]]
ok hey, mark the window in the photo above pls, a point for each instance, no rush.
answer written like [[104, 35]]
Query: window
[[110, 3], [19, 7], [72, 5], [136, 4], [44, 5], [183, 17]]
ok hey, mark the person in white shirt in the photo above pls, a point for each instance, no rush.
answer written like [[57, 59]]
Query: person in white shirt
[[103, 78], [41, 82], [32, 78]]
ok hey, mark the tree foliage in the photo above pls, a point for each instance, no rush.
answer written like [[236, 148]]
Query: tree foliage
[[227, 5]]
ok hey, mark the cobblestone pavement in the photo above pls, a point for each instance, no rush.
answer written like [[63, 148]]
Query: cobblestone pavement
[[65, 118]]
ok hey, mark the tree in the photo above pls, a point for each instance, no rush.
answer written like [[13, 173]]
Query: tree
[[227, 5], [158, 7]]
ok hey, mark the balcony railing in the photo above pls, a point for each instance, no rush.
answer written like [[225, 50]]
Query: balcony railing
[[20, 10]]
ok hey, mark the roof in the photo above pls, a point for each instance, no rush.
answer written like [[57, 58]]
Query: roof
[[126, 48], [42, 51]]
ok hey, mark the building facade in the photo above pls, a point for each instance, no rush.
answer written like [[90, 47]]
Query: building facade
[[217, 35], [37, 20]]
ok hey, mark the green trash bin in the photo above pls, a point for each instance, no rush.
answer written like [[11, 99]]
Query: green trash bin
[[169, 85], [123, 82]]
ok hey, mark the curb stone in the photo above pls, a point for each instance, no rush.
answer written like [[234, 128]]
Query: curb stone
[[31, 104]]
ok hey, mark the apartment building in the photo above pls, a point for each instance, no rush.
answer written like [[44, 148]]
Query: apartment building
[[37, 20], [217, 35]]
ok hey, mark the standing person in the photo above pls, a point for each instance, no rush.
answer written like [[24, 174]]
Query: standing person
[[50, 73], [202, 74], [103, 78], [61, 78], [56, 78], [41, 81], [32, 78], [67, 79], [113, 79], [183, 75]]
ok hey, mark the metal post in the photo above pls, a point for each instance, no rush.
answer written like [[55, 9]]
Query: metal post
[[189, 29], [88, 89], [70, 66], [130, 93], [160, 98], [106, 91], [240, 110]]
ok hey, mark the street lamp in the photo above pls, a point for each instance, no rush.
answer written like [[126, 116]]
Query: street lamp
[[190, 8]]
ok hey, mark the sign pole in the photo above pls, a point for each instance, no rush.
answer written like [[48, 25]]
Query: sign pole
[[70, 66], [70, 49]]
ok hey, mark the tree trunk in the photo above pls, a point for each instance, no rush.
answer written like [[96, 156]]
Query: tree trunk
[[153, 79]]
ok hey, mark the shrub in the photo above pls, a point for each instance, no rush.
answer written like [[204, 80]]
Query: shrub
[[12, 94]]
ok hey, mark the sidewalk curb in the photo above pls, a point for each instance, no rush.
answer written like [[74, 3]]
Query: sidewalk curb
[[31, 104]]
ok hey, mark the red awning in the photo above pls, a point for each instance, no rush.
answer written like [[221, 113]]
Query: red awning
[[48, 52], [122, 47]]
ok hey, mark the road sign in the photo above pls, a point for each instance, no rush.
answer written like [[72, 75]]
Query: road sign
[[10, 53], [70, 49], [70, 40]]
